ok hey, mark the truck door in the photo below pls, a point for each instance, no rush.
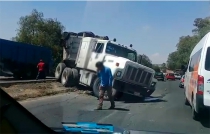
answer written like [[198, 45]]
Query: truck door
[[97, 55]]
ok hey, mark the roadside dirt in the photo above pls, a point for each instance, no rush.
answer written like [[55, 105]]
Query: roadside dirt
[[24, 91]]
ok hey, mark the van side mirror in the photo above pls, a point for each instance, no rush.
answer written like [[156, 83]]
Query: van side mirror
[[184, 68]]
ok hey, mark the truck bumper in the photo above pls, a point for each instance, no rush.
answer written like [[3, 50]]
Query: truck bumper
[[132, 89]]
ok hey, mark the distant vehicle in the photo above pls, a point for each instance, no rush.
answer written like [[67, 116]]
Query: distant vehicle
[[21, 59], [181, 84], [159, 76], [197, 78], [177, 76], [170, 76]]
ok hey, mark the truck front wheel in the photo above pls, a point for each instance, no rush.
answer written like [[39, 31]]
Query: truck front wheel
[[148, 92], [59, 70], [96, 86]]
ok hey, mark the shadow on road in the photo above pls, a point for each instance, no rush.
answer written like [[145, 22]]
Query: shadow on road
[[126, 98], [120, 109], [205, 119]]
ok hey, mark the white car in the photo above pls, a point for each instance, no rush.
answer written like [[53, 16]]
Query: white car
[[177, 76]]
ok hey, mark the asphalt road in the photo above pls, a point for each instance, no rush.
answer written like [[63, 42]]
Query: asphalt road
[[165, 114]]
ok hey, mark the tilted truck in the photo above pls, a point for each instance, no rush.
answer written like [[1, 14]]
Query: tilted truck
[[81, 51], [21, 59]]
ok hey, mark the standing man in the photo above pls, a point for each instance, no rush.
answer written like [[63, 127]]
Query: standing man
[[41, 70], [105, 74]]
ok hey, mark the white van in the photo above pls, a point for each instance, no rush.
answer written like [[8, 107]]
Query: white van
[[197, 78]]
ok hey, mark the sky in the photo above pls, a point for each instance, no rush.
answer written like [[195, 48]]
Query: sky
[[154, 28]]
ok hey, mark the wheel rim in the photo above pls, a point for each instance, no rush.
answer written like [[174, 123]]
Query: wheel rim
[[58, 69], [64, 77]]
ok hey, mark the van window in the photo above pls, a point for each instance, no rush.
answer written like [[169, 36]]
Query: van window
[[207, 62], [195, 61]]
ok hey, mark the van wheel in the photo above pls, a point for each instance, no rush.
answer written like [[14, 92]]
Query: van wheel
[[59, 70], [67, 77], [96, 86], [195, 115], [186, 102]]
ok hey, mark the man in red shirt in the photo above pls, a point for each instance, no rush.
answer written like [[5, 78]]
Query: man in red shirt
[[41, 70]]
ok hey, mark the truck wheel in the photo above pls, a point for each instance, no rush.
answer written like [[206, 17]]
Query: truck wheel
[[148, 93], [96, 86], [67, 77], [59, 70], [75, 76]]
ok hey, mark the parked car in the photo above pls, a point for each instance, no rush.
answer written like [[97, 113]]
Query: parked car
[[170, 76], [177, 76], [181, 84], [159, 76]]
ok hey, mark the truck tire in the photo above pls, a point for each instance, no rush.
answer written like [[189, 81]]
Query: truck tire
[[96, 85], [75, 76], [67, 77], [59, 70], [148, 93]]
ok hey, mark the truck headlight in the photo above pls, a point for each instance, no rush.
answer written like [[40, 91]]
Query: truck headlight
[[118, 74], [153, 84]]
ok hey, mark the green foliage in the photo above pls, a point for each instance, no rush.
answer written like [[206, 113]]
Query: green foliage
[[163, 67], [144, 60], [37, 30], [187, 43], [156, 68]]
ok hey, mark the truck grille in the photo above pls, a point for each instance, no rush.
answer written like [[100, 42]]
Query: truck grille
[[138, 76]]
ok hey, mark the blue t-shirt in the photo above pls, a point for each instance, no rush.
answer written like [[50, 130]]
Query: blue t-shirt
[[106, 77]]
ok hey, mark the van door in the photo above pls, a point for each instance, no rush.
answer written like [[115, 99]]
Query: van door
[[187, 81], [192, 75], [206, 75]]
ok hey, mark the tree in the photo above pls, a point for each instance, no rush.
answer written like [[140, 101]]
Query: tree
[[144, 60], [156, 68], [187, 43], [35, 29], [163, 67], [172, 60], [202, 26]]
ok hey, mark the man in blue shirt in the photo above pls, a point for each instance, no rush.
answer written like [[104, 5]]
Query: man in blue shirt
[[105, 74]]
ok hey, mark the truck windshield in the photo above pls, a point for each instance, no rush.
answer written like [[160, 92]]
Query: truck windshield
[[121, 52], [207, 63]]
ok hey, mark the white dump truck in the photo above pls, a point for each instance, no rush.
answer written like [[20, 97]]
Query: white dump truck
[[82, 50]]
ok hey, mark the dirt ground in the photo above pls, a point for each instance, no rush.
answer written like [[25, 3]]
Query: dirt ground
[[33, 90]]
